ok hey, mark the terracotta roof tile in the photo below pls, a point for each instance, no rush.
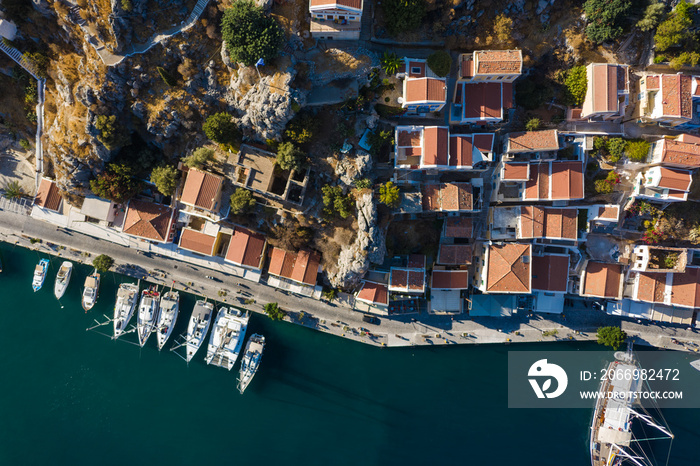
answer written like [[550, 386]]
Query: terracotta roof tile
[[401, 279], [48, 195], [448, 197], [416, 261], [532, 220], [484, 142], [431, 197], [148, 220], [435, 141], [516, 171], [458, 227], [604, 87], [375, 293], [507, 93], [680, 153], [509, 268], [567, 180], [482, 100], [499, 61], [549, 222], [201, 189], [550, 273], [301, 267], [653, 82], [454, 254], [466, 68], [409, 138], [675, 95], [651, 287], [686, 288], [609, 212], [425, 90], [195, 241], [461, 151], [450, 280], [537, 187], [675, 179], [415, 64], [246, 248], [602, 280], [533, 141]]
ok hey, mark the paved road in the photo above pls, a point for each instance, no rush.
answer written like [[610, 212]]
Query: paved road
[[579, 322]]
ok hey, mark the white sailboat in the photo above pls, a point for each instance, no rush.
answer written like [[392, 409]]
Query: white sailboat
[[169, 309], [227, 337], [40, 274], [251, 361], [198, 326], [148, 314], [62, 279], [127, 295], [90, 291]]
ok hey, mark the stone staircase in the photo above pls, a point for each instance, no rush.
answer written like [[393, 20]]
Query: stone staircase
[[16, 55], [198, 9]]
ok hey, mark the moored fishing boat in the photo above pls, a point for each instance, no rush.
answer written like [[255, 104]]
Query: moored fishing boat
[[127, 295], [90, 290], [62, 279], [169, 309], [198, 326], [148, 314], [251, 361], [40, 274], [227, 337]]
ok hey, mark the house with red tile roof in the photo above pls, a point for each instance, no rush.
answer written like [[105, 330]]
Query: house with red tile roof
[[335, 19], [373, 297], [246, 249], [434, 148], [533, 222], [199, 242], [48, 197], [602, 280], [410, 277], [607, 94], [301, 267], [446, 291], [546, 181], [448, 197], [663, 184], [149, 221], [680, 152], [681, 289], [458, 227], [454, 254], [505, 268], [602, 217], [201, 193], [544, 143], [550, 279], [667, 99], [490, 66], [423, 90]]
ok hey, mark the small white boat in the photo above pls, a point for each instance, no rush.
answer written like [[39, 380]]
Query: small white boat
[[251, 360], [62, 279], [227, 337], [40, 274], [127, 295], [90, 290], [148, 314], [169, 309], [198, 326]]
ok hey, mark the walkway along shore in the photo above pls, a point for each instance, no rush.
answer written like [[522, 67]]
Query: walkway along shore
[[578, 323]]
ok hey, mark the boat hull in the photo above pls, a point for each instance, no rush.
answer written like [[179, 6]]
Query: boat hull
[[167, 319], [197, 328], [124, 307], [61, 284], [251, 361]]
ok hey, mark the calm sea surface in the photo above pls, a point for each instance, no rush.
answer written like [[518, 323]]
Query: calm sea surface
[[71, 397]]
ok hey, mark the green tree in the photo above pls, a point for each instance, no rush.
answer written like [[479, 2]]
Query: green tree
[[112, 135], [675, 29], [221, 128], [199, 157], [391, 63], [605, 18], [440, 62], [102, 263], [274, 312], [117, 183], [300, 129], [637, 150], [290, 157], [653, 14], [403, 15], [533, 124], [389, 194], [503, 29], [576, 83], [611, 336], [242, 201], [684, 58], [363, 183], [335, 202], [165, 179], [13, 190], [616, 148], [600, 143], [378, 140], [250, 34]]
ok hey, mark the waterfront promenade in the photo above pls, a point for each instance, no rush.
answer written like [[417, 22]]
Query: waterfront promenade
[[577, 323]]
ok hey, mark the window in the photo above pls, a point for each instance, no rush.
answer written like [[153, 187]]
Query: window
[[500, 78], [329, 16], [549, 294], [319, 16], [415, 70], [351, 17]]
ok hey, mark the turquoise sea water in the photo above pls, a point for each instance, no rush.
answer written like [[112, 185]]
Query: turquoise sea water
[[71, 397]]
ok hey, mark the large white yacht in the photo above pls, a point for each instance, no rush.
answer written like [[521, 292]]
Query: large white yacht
[[148, 314], [227, 337], [198, 327], [62, 279], [169, 308], [251, 360], [127, 295]]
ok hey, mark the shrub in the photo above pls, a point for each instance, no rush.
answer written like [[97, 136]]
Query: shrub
[[660, 59], [112, 135], [611, 336], [24, 144], [503, 29], [388, 111], [389, 194], [605, 18], [126, 5], [250, 34], [616, 148], [675, 29], [533, 124], [117, 183], [403, 15], [290, 157], [391, 63], [13, 190], [274, 312], [685, 58], [102, 263], [167, 77], [576, 83], [329, 293], [440, 62], [364, 183], [242, 201], [378, 140], [602, 187], [335, 202], [638, 150], [165, 179], [199, 157], [39, 62], [652, 16], [600, 143], [221, 128], [300, 129]]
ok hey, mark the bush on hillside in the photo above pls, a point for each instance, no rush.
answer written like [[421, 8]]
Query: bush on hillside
[[250, 34]]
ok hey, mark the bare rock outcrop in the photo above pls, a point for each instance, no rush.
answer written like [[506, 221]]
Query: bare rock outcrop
[[369, 246]]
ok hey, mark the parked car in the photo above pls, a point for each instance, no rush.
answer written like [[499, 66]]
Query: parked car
[[370, 319]]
